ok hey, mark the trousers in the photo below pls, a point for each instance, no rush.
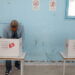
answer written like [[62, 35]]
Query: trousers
[[9, 65]]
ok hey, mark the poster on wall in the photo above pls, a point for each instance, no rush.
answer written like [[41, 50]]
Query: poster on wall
[[52, 5], [35, 4]]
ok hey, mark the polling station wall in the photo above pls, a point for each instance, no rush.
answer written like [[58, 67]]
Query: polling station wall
[[45, 31]]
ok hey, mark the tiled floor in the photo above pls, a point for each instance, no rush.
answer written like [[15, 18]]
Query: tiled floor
[[42, 70]]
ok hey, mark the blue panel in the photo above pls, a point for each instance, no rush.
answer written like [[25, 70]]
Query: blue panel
[[45, 31]]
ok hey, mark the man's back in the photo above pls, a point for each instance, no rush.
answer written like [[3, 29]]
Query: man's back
[[7, 33]]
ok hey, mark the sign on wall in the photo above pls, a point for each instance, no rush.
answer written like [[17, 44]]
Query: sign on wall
[[52, 5], [35, 4]]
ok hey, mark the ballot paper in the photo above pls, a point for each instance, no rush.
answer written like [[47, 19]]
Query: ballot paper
[[70, 48], [10, 47]]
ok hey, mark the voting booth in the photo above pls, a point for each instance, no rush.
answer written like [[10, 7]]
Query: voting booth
[[10, 47], [70, 48], [68, 54]]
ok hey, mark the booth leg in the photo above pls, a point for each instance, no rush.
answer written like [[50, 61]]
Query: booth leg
[[64, 68], [22, 67]]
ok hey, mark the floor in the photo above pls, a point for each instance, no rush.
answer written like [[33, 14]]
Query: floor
[[42, 69]]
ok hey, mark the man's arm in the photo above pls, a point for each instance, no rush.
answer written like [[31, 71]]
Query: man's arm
[[23, 37], [5, 33], [0, 37]]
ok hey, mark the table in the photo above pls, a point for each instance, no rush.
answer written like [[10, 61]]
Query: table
[[65, 58], [19, 58]]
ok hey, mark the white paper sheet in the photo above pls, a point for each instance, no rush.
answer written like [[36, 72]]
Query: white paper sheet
[[52, 5], [35, 4]]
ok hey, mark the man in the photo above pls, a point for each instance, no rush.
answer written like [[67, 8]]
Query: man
[[15, 31]]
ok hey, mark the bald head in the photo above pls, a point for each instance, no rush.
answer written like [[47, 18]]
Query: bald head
[[14, 23]]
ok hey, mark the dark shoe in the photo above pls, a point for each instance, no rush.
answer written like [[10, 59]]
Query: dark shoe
[[7, 72], [17, 67]]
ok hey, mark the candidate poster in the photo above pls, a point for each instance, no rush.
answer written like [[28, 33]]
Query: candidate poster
[[52, 5], [35, 4]]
